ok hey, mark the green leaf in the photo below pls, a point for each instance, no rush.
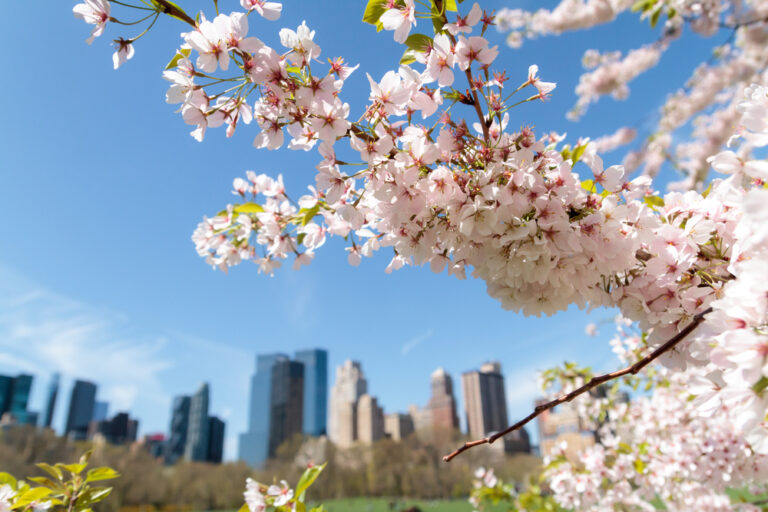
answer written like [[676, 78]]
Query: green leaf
[[293, 69], [75, 469], [307, 479], [55, 472], [7, 478], [639, 465], [707, 191], [418, 42], [408, 57], [103, 473], [32, 495], [577, 153], [588, 185], [653, 201], [46, 482], [244, 508], [309, 214], [92, 495], [248, 208], [320, 508], [180, 54], [450, 5], [655, 17], [373, 11], [760, 385]]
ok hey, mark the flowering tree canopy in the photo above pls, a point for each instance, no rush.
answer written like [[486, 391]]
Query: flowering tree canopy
[[437, 175]]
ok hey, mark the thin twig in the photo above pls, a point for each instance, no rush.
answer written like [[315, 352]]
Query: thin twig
[[593, 383]]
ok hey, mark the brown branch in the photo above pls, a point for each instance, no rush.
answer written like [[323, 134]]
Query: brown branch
[[468, 73], [172, 10], [593, 383]]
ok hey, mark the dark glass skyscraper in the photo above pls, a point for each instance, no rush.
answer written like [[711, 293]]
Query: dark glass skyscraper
[[253, 447], [80, 409], [22, 385], [6, 385], [286, 408], [215, 439], [197, 433], [177, 438], [50, 400], [315, 390]]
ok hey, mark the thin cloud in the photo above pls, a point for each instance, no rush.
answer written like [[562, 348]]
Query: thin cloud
[[414, 342], [42, 332]]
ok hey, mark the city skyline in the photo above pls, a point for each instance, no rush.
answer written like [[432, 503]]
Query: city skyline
[[375, 417]]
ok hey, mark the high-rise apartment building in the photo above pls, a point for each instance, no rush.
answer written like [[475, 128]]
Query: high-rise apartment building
[[215, 439], [80, 410], [370, 420], [349, 387], [197, 434], [253, 445], [398, 426], [485, 400], [315, 390], [442, 403], [177, 438], [286, 404], [50, 400], [120, 429]]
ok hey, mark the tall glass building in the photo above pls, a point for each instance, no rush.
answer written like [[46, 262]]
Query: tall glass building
[[198, 431], [50, 400], [80, 411], [253, 447], [215, 439], [286, 407], [177, 438], [315, 417]]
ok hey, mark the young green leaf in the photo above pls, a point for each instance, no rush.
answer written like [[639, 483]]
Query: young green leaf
[[103, 473], [374, 10], [180, 54]]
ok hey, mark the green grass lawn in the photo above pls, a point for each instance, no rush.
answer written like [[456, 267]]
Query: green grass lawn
[[383, 505]]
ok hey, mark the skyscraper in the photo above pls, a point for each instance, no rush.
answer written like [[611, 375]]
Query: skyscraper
[[286, 404], [22, 385], [197, 434], [485, 400], [349, 387], [215, 439], [120, 429], [177, 438], [80, 409], [370, 420], [315, 390], [100, 411], [253, 447], [398, 426], [6, 385], [50, 401], [442, 403]]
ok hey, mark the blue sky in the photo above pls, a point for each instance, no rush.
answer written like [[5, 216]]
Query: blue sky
[[101, 187]]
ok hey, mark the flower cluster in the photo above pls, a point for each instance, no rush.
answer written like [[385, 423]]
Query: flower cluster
[[659, 449], [281, 498], [611, 73], [567, 15]]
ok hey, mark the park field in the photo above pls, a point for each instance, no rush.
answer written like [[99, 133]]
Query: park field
[[396, 505]]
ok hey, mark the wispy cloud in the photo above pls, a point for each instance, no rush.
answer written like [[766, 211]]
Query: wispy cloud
[[43, 332], [416, 341]]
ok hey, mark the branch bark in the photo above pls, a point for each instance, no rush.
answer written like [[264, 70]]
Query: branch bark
[[593, 383]]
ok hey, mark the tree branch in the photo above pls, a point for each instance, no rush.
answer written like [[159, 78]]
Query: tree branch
[[593, 383], [172, 10]]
